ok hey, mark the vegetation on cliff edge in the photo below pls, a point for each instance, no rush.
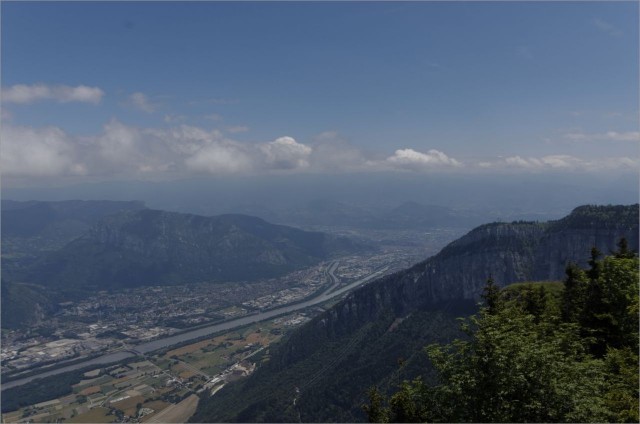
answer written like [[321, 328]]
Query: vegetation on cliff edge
[[536, 354]]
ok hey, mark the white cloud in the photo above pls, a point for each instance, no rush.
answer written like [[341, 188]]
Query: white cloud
[[412, 159], [225, 157], [560, 163], [119, 144], [80, 93], [120, 150], [550, 161], [238, 129], [26, 94], [616, 163], [141, 102], [332, 153], [286, 153], [520, 162], [213, 117], [41, 152], [606, 27], [608, 136], [124, 151]]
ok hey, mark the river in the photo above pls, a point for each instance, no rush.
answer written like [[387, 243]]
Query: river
[[154, 345]]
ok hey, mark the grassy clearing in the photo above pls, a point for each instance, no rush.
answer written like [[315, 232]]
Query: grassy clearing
[[89, 390], [95, 415], [214, 355]]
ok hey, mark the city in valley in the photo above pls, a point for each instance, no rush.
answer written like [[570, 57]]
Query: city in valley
[[161, 384]]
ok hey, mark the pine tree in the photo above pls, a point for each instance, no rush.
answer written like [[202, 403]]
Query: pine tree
[[594, 271], [574, 293], [623, 250], [491, 296]]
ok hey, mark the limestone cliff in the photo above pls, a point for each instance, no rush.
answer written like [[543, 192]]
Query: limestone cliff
[[339, 354]]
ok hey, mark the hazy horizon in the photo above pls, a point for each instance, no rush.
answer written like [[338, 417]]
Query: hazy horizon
[[549, 196]]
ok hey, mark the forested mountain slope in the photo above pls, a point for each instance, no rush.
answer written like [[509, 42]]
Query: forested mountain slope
[[33, 228], [151, 247]]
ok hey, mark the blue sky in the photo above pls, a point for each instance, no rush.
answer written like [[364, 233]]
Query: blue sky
[[167, 90]]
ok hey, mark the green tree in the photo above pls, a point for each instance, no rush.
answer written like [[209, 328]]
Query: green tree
[[375, 409], [574, 293], [409, 404], [528, 361], [491, 296], [623, 250], [534, 301], [609, 316], [622, 380], [514, 370], [594, 271]]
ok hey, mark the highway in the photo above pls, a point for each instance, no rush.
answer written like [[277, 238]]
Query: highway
[[329, 272], [148, 347]]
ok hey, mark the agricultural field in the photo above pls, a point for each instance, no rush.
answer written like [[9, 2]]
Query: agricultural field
[[213, 356], [164, 387], [118, 392]]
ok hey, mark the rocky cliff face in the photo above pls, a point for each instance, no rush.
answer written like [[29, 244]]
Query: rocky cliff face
[[510, 253], [454, 278]]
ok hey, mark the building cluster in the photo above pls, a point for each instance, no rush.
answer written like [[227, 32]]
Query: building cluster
[[50, 352], [107, 321]]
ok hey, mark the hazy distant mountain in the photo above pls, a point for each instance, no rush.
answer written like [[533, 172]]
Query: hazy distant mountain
[[376, 335], [417, 215], [149, 247], [62, 219], [33, 227], [331, 213], [545, 196], [24, 305]]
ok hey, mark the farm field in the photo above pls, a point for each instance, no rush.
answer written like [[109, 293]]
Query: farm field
[[178, 413], [95, 415], [164, 387]]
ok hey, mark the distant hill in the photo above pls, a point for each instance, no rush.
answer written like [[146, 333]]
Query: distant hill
[[417, 215], [63, 219], [408, 215], [24, 305], [328, 213], [151, 247], [376, 334], [33, 228]]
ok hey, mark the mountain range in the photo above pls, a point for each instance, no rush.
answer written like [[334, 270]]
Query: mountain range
[[52, 250], [32, 229], [151, 247], [376, 334], [406, 215]]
